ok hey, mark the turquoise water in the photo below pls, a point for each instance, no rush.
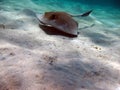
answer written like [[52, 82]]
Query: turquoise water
[[105, 12]]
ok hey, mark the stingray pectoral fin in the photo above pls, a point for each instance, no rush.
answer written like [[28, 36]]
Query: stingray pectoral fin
[[45, 24], [41, 22], [83, 15]]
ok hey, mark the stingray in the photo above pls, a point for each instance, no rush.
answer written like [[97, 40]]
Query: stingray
[[61, 21], [58, 22]]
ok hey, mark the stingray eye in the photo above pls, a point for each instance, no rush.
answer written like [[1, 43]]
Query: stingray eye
[[53, 17]]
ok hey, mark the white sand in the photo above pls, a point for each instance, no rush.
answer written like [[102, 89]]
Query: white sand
[[32, 60]]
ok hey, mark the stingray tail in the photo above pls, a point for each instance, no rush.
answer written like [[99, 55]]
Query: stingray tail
[[83, 15]]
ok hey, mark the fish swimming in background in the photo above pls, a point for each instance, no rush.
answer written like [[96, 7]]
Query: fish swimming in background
[[83, 15], [62, 21]]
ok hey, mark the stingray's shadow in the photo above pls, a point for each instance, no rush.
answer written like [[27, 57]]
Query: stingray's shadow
[[54, 31]]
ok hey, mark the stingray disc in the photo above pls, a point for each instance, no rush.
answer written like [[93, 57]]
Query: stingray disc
[[61, 21]]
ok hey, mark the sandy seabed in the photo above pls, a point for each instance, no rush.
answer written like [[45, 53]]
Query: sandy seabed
[[32, 60]]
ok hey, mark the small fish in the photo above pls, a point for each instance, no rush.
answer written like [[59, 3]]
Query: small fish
[[83, 15]]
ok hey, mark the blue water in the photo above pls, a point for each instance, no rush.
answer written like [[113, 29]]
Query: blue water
[[106, 12]]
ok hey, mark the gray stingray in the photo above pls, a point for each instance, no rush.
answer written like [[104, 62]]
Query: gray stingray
[[62, 21]]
